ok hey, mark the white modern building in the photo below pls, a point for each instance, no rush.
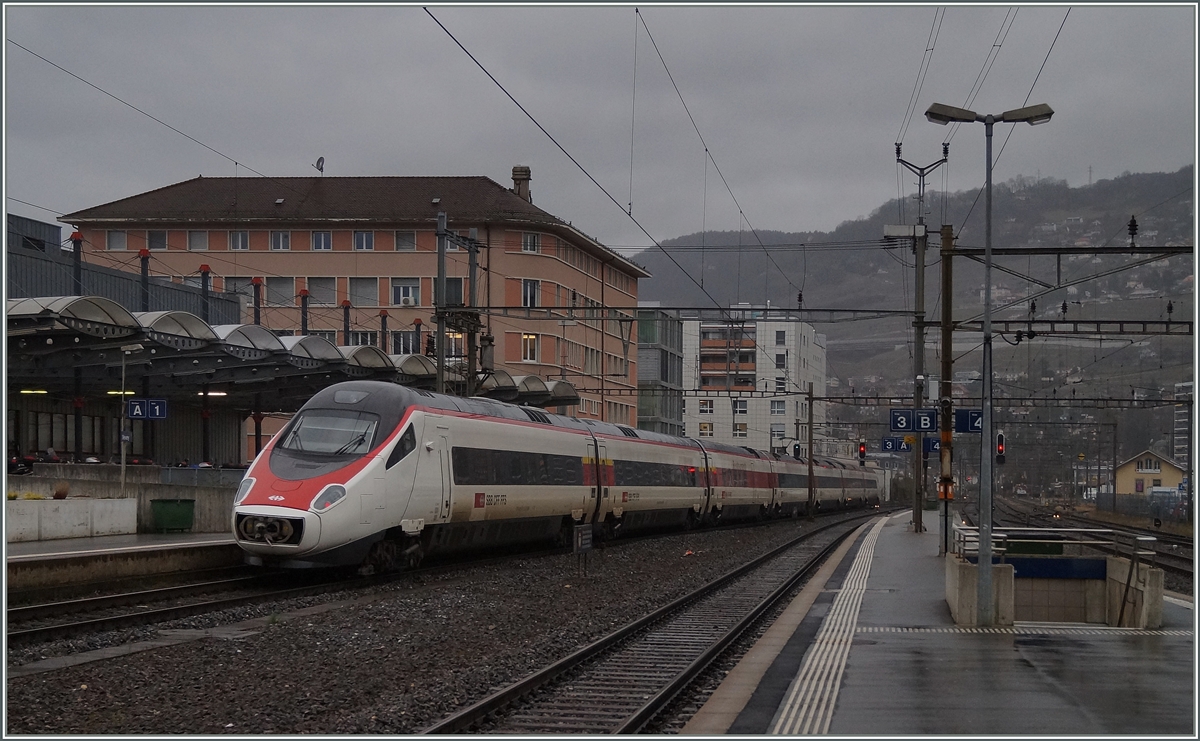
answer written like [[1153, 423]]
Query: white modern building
[[747, 373]]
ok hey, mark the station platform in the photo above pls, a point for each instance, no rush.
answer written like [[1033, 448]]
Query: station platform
[[69, 561], [869, 648]]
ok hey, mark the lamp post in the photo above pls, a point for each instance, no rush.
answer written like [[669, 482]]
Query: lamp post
[[125, 350], [1033, 115]]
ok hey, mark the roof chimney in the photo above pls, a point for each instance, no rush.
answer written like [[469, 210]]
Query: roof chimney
[[521, 178]]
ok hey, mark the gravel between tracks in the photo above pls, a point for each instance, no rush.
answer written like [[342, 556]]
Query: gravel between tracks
[[391, 661]]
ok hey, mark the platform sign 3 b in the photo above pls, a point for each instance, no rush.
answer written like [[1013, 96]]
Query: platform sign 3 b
[[914, 420]]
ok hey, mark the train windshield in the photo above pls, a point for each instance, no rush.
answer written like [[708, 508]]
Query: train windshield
[[331, 432]]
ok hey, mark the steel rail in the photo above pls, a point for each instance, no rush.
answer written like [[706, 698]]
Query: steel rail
[[478, 712]]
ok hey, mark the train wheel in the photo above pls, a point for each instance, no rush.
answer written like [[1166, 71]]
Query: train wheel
[[413, 555], [690, 522], [382, 557]]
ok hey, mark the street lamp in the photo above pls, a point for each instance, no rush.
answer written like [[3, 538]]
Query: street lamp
[[125, 350], [1033, 115]]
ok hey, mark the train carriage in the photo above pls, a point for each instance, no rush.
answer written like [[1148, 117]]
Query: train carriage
[[378, 475]]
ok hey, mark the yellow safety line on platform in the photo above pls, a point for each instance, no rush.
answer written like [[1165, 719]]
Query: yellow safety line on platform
[[808, 706]]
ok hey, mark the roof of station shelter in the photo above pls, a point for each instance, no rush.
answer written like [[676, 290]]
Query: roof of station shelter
[[334, 200], [178, 354]]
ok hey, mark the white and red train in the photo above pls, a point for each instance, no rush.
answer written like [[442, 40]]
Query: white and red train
[[374, 473]]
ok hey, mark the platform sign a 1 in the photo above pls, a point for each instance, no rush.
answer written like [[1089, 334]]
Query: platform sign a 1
[[156, 408], [136, 409], [968, 420]]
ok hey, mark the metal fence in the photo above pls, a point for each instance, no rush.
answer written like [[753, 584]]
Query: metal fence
[[36, 274], [1167, 507]]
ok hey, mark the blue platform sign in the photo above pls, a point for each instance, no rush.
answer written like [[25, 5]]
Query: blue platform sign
[[968, 420], [156, 408], [902, 420], [925, 420], [890, 444], [904, 446], [146, 409], [931, 445]]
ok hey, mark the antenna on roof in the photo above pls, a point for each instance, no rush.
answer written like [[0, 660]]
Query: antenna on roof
[[320, 165]]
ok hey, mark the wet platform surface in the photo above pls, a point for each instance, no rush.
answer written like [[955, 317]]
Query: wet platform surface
[[870, 648], [36, 550]]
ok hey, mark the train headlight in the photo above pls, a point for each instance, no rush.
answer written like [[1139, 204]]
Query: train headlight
[[243, 490], [328, 497]]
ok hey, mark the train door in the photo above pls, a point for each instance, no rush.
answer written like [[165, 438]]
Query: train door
[[444, 450], [430, 491], [600, 490], [706, 480]]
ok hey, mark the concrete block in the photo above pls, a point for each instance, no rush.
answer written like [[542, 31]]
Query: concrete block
[[65, 518], [20, 521], [962, 592], [114, 516]]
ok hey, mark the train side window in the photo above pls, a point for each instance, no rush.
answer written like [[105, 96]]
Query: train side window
[[407, 444]]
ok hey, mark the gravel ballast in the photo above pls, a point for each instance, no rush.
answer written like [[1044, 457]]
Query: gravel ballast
[[392, 659]]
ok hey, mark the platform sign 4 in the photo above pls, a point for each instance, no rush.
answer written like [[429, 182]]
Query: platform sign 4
[[968, 420], [931, 445]]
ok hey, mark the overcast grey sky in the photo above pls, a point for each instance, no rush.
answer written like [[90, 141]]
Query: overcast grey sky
[[800, 106]]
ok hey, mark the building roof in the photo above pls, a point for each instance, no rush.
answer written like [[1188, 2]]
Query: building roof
[[333, 201], [1147, 451]]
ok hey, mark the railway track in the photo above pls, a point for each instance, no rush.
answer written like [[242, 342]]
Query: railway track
[[621, 682]]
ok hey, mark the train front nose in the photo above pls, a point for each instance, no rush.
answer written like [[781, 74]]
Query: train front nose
[[276, 531]]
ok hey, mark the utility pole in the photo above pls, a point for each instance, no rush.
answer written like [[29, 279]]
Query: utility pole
[[439, 314], [812, 478], [946, 482], [920, 239]]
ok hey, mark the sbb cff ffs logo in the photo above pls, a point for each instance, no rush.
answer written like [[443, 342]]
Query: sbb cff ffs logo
[[862, 454], [999, 447]]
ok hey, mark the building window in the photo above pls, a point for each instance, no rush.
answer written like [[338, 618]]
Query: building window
[[156, 240], [197, 241], [781, 360], [706, 429], [706, 406], [364, 292], [1156, 482], [406, 342], [364, 240], [362, 338], [529, 348], [740, 429], [116, 240], [777, 406], [322, 241], [322, 290], [1139, 485], [239, 240], [531, 242], [740, 406], [406, 241], [780, 337], [778, 431], [281, 291], [406, 291], [240, 286], [327, 335], [455, 345], [780, 385], [454, 292], [281, 241], [529, 293]]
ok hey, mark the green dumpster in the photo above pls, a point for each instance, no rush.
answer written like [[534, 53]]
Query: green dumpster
[[173, 514]]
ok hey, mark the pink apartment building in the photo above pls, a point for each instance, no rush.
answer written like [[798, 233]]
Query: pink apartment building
[[371, 241]]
